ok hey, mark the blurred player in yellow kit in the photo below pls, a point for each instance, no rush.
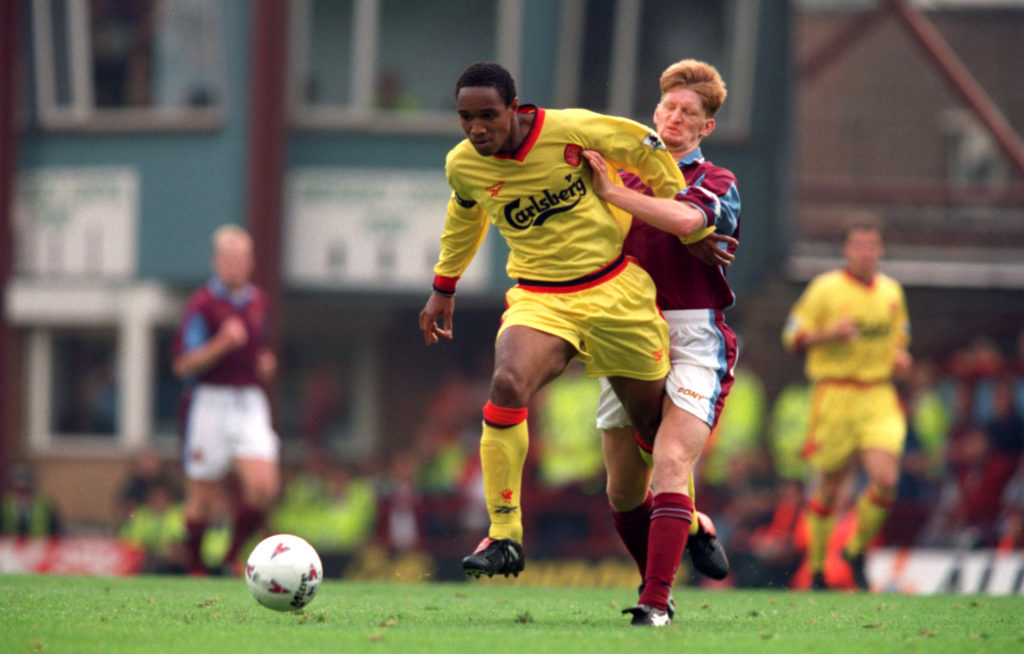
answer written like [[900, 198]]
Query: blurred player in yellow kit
[[852, 324]]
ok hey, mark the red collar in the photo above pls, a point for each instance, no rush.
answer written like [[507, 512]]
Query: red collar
[[868, 284], [519, 154]]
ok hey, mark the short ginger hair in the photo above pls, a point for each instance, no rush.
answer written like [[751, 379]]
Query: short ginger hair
[[700, 77]]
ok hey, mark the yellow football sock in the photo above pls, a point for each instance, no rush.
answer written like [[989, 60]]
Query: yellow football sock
[[694, 524], [872, 510], [502, 456], [820, 522]]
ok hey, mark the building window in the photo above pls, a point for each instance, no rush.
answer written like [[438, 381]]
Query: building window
[[972, 154], [167, 388], [97, 373], [354, 63], [128, 64], [85, 393], [640, 39]]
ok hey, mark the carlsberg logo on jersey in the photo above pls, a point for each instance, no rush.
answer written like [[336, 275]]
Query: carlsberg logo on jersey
[[534, 210], [873, 330]]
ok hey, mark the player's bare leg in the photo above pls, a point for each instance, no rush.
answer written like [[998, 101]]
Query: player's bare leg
[[643, 401], [628, 489], [680, 439], [628, 475], [260, 482], [628, 480]]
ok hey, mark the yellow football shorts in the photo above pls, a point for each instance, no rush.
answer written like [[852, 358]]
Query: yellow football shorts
[[850, 417], [611, 318]]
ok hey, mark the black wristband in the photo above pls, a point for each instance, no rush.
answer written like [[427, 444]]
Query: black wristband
[[442, 291]]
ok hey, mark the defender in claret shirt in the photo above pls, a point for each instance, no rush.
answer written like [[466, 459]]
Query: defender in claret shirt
[[653, 507], [852, 324], [577, 295], [220, 350]]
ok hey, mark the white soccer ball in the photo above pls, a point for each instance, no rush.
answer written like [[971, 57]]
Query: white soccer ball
[[283, 572]]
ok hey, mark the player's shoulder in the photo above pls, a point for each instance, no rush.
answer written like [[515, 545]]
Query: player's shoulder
[[834, 276], [888, 282], [259, 293], [721, 172], [460, 151], [569, 114], [461, 160], [198, 302], [578, 117], [199, 297]]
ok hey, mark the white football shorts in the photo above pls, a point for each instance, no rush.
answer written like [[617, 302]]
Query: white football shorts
[[703, 354], [224, 424]]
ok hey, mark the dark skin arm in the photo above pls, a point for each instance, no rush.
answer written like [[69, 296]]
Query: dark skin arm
[[439, 306]]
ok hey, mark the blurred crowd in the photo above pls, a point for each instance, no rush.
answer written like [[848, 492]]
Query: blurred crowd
[[962, 482]]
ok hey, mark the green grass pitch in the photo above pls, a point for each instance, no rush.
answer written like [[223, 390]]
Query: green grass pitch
[[156, 614]]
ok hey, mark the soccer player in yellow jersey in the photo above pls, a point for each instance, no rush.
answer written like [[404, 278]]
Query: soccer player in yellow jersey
[[521, 168], [852, 324]]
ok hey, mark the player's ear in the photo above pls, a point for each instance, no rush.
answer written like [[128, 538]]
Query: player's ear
[[709, 126]]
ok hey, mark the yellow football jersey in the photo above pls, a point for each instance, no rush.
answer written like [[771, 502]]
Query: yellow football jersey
[[878, 309], [541, 197]]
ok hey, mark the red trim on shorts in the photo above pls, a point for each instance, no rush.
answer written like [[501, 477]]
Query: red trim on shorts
[[642, 444], [810, 446], [857, 383], [590, 280], [503, 417]]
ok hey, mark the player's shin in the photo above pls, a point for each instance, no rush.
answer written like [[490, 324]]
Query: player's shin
[[503, 448], [193, 544], [821, 519], [633, 528], [246, 523], [671, 516], [872, 510]]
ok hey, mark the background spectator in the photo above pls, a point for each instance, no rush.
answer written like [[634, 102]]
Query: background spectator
[[26, 512], [157, 526]]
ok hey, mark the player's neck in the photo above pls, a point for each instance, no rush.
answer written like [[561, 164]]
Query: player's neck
[[864, 276], [520, 129], [678, 154]]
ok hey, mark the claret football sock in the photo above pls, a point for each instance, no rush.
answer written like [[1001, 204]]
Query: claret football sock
[[247, 521], [671, 516], [633, 527], [194, 532]]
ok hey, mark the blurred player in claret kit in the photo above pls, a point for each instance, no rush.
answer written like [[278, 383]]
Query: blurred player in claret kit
[[220, 349], [852, 324], [577, 295], [653, 513]]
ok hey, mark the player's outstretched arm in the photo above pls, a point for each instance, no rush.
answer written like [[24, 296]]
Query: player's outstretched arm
[[679, 218], [439, 307]]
